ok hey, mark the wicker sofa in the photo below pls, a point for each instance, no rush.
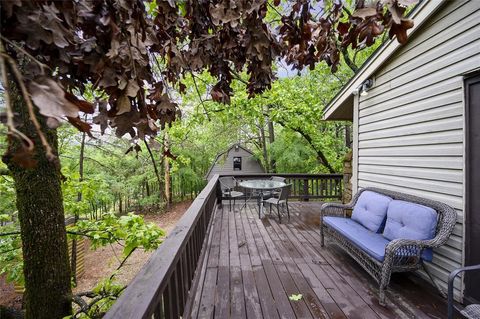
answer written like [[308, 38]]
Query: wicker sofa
[[400, 240]]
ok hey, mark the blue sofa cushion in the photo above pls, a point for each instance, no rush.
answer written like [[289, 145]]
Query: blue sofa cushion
[[408, 220], [370, 210], [371, 242]]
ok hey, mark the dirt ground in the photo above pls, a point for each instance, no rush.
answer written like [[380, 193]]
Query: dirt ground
[[100, 263]]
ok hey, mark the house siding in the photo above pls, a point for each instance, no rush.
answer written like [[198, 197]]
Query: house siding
[[411, 125], [224, 163]]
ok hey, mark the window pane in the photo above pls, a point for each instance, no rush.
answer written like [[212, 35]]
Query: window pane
[[237, 163]]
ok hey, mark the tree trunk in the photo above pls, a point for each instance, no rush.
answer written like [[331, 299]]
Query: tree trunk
[[73, 262], [166, 165], [348, 136], [120, 204], [263, 142], [42, 222], [157, 174], [271, 139], [168, 188]]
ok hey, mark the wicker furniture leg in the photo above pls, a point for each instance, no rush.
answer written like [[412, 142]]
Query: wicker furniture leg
[[384, 281], [322, 236], [278, 213]]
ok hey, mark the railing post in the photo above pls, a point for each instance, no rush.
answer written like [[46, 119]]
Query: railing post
[[219, 194], [305, 190]]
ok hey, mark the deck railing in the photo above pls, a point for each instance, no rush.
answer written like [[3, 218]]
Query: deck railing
[[161, 288], [307, 186]]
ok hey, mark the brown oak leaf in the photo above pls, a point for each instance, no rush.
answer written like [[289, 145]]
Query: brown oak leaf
[[49, 97], [365, 12], [123, 105], [80, 125], [102, 118]]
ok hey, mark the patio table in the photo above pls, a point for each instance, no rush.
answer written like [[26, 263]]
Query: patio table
[[261, 185]]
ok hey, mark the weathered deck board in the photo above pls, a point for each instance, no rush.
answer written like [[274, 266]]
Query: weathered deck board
[[267, 301], [253, 265]]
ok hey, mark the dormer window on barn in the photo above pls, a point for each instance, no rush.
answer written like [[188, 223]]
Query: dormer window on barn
[[237, 163]]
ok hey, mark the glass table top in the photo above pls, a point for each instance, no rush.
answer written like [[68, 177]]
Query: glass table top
[[261, 184]]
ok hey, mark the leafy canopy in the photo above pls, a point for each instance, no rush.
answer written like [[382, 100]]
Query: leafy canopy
[[128, 48]]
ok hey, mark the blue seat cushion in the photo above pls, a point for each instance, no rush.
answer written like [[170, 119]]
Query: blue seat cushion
[[408, 220], [371, 242], [371, 210]]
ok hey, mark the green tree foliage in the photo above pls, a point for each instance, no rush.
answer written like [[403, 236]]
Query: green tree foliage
[[130, 231], [11, 261], [7, 190]]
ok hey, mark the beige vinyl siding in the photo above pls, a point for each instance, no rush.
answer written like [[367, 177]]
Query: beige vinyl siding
[[410, 126]]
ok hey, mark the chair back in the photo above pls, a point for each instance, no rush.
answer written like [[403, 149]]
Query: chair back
[[227, 182], [285, 192], [278, 179]]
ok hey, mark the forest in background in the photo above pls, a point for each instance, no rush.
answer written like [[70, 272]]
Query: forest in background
[[283, 127]]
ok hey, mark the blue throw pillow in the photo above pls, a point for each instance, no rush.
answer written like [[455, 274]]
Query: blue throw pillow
[[408, 220], [370, 210]]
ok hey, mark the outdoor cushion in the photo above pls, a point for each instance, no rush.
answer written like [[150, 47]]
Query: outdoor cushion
[[370, 242], [408, 220], [370, 210]]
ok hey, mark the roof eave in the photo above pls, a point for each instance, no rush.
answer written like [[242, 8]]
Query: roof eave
[[343, 101]]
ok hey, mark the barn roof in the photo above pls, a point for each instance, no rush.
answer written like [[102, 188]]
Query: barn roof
[[226, 152]]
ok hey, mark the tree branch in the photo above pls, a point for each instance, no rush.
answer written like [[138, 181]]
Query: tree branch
[[321, 157], [238, 77], [349, 61], [9, 250], [200, 96], [154, 165], [10, 233]]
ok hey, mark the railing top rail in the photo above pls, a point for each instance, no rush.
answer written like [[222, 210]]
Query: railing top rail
[[140, 297], [288, 175]]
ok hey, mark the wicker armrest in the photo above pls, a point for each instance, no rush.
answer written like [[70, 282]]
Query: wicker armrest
[[334, 209], [440, 239], [338, 209], [402, 251]]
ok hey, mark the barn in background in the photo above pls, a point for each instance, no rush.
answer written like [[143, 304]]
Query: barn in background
[[236, 160]]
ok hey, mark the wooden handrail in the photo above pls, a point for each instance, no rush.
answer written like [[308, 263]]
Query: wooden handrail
[[267, 175], [306, 186], [162, 286]]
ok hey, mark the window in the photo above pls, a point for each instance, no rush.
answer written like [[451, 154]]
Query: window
[[237, 163]]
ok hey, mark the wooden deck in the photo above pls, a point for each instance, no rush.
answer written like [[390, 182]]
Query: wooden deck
[[253, 265]]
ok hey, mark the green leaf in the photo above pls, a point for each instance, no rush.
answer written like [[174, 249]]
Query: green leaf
[[294, 297]]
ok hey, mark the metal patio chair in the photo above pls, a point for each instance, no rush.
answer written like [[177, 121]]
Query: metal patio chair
[[228, 185], [275, 192], [280, 200], [278, 179], [471, 311]]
